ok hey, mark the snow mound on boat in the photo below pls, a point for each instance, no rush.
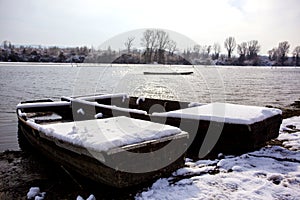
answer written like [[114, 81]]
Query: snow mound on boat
[[224, 112], [106, 134]]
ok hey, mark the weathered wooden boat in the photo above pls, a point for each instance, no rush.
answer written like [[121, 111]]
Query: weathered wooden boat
[[212, 128], [117, 151], [169, 73]]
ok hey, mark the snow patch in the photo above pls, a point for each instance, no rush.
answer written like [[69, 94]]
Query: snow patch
[[91, 197], [290, 133], [125, 96], [141, 98], [98, 115], [52, 117], [35, 193], [80, 111], [21, 114], [195, 104]]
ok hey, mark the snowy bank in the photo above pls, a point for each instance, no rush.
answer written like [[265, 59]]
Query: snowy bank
[[273, 172]]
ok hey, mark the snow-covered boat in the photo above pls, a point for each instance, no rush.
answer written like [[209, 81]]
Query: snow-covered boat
[[212, 128], [117, 151]]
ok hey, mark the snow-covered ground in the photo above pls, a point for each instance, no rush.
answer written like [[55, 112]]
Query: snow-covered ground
[[272, 172]]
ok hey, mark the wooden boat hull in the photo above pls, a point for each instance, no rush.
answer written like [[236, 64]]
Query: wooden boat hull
[[87, 164]]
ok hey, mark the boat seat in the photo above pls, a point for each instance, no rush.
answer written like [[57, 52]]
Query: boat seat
[[41, 117]]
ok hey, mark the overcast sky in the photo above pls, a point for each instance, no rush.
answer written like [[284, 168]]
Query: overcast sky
[[92, 22]]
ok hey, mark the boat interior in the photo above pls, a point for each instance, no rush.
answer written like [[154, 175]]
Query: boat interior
[[96, 106]]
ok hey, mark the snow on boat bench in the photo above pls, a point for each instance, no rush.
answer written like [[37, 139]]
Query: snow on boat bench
[[98, 97], [42, 104], [110, 107], [106, 134], [225, 128], [224, 112]]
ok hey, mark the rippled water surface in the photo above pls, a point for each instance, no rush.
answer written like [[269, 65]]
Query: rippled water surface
[[243, 85]]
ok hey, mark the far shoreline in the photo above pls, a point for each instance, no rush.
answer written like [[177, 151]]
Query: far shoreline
[[2, 63]]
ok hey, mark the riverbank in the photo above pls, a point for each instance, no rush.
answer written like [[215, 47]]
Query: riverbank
[[19, 171], [290, 110]]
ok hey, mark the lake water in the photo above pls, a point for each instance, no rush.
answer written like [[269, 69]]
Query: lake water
[[242, 85]]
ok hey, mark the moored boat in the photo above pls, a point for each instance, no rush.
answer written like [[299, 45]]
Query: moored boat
[[211, 129], [117, 151], [169, 73]]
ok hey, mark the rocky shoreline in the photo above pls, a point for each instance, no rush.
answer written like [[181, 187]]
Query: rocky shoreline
[[19, 171]]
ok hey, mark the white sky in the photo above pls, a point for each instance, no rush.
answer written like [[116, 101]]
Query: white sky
[[92, 22]]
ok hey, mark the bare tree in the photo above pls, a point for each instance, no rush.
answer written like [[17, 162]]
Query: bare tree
[[187, 54], [196, 49], [273, 54], [242, 49], [296, 54], [230, 45], [148, 41], [172, 45], [162, 39], [153, 44], [203, 51], [128, 44], [145, 41], [208, 49], [283, 49], [6, 44], [155, 41], [217, 50], [162, 42], [253, 49]]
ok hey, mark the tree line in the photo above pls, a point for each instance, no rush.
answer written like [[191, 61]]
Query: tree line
[[157, 44], [279, 54], [249, 51], [158, 47], [13, 53]]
